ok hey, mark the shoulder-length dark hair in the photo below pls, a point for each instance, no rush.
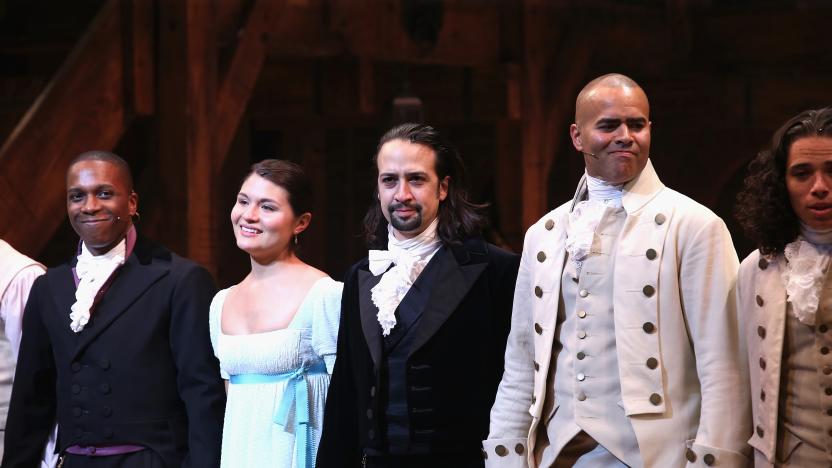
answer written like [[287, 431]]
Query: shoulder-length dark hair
[[458, 217], [763, 207]]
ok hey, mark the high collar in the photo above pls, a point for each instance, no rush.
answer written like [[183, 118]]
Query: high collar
[[637, 192]]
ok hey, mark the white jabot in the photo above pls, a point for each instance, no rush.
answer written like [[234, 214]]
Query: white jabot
[[584, 218], [409, 258], [807, 262], [93, 271]]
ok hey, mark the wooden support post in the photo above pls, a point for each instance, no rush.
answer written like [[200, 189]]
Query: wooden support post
[[555, 64], [200, 112]]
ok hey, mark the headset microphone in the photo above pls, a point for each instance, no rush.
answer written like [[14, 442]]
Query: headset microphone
[[590, 154]]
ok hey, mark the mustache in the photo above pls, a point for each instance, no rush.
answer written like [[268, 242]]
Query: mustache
[[395, 206]]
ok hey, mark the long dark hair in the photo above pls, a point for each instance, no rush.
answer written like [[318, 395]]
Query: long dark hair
[[458, 217], [763, 207]]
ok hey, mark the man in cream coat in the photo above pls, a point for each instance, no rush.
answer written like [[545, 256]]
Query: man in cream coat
[[624, 345]]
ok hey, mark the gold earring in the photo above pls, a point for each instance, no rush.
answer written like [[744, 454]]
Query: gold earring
[[296, 239]]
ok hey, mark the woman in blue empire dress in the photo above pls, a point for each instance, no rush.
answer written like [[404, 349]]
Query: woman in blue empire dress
[[275, 332]]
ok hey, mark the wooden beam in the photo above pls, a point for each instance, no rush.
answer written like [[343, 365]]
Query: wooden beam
[[200, 111], [80, 109], [243, 71], [140, 42], [555, 65]]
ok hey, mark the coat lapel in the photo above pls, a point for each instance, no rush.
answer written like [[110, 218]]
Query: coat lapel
[[453, 282], [132, 280], [368, 314]]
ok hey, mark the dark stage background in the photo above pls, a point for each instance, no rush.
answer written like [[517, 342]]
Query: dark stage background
[[191, 92]]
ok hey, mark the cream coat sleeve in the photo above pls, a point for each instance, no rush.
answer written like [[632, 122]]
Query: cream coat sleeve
[[510, 417], [707, 278]]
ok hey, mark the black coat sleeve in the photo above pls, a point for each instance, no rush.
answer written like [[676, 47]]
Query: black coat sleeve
[[33, 406], [339, 445], [198, 374]]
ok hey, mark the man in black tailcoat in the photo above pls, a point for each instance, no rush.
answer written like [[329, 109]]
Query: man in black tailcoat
[[115, 344], [424, 319]]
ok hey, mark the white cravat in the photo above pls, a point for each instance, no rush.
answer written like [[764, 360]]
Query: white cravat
[[409, 258], [584, 218], [807, 261], [93, 271]]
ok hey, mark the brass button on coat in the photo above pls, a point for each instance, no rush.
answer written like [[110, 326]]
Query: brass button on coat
[[541, 256], [538, 329], [538, 291], [656, 399], [759, 300], [648, 290], [827, 370], [763, 263], [651, 254], [690, 455], [709, 459], [581, 396], [824, 350], [660, 219], [652, 363], [580, 355], [549, 225], [648, 327], [518, 449], [583, 293], [823, 328], [581, 334], [581, 377], [501, 450], [581, 314]]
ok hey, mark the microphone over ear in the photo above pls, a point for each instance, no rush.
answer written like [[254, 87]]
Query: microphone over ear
[[590, 154]]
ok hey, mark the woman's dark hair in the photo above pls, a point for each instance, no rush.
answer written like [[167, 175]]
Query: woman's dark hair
[[763, 207], [458, 217], [291, 178]]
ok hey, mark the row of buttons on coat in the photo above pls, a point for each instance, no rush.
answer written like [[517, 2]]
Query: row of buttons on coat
[[502, 451], [763, 263]]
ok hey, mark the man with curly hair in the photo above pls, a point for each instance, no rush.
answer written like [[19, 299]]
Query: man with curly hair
[[624, 347], [783, 293]]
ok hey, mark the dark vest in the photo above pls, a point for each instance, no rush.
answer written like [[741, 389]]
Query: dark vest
[[397, 348]]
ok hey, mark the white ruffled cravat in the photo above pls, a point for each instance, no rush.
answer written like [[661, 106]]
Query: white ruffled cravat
[[409, 258], [807, 262], [92, 271], [587, 214]]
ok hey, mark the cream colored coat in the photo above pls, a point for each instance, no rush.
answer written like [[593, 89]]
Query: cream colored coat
[[699, 408], [759, 277]]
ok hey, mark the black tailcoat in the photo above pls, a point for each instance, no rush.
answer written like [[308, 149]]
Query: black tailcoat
[[142, 372], [452, 369]]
